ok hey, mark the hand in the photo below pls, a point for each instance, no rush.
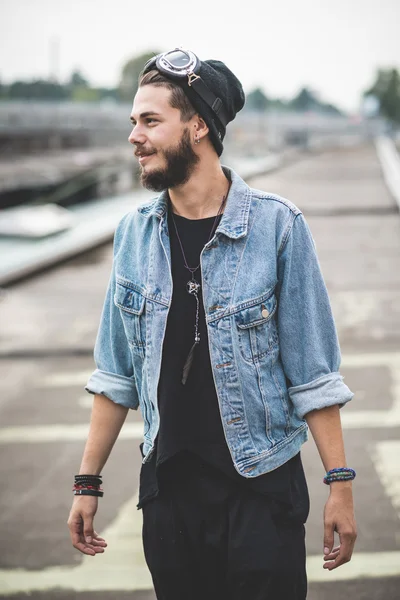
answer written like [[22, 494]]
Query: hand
[[339, 516], [80, 523]]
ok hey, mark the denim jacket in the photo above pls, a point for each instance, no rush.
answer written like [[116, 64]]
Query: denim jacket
[[272, 338]]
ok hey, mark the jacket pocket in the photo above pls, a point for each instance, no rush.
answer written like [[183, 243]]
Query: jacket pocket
[[131, 303], [257, 329]]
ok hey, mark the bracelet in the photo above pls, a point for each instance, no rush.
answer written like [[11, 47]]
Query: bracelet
[[340, 474], [88, 479], [88, 485], [86, 492]]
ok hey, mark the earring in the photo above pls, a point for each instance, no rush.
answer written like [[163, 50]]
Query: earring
[[197, 140]]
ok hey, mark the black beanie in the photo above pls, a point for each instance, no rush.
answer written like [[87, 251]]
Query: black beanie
[[225, 85]]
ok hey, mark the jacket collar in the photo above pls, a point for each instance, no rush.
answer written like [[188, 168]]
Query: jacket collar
[[235, 218]]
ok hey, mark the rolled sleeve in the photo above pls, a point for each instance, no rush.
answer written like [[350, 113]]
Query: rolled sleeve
[[118, 388], [309, 345], [114, 376], [327, 390]]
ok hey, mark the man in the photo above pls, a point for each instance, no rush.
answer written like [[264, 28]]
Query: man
[[217, 323]]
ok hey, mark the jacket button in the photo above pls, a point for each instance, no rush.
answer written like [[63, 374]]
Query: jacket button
[[265, 311]]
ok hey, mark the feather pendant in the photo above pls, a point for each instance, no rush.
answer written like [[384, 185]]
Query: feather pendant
[[188, 363]]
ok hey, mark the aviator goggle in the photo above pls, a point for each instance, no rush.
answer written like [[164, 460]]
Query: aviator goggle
[[179, 63]]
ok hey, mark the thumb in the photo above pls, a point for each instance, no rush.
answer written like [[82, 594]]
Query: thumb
[[328, 537], [88, 528]]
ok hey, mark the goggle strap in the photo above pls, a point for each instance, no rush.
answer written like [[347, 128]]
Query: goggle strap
[[192, 77], [209, 98]]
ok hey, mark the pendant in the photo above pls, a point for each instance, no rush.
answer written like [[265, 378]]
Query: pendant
[[193, 287], [189, 361]]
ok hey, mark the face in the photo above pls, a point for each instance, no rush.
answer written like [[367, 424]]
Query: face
[[163, 142]]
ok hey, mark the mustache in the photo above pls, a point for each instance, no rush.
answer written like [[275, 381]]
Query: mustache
[[140, 151]]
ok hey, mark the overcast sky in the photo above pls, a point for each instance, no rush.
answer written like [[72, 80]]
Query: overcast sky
[[334, 47]]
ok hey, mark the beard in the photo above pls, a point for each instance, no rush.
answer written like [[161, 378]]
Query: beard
[[180, 164]]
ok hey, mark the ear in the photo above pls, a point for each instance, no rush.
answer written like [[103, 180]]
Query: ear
[[200, 127]]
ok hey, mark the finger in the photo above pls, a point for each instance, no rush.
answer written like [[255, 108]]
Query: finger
[[342, 557], [328, 537], [96, 549], [88, 531], [75, 531], [75, 537], [84, 548], [90, 549], [335, 549], [332, 555], [98, 543]]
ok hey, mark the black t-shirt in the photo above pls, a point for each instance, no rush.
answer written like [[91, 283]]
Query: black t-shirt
[[190, 420]]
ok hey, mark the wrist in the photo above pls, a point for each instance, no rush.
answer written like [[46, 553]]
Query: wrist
[[339, 487]]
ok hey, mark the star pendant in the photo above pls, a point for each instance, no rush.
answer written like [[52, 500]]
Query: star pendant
[[193, 287]]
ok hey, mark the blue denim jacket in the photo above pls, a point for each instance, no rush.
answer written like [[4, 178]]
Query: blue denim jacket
[[272, 338]]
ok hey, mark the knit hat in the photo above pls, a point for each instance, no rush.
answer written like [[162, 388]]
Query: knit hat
[[226, 86]]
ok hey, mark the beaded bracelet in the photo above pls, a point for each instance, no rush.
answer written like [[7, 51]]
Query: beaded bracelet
[[340, 474], [88, 477]]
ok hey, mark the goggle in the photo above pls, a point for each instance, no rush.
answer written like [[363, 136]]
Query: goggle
[[180, 63]]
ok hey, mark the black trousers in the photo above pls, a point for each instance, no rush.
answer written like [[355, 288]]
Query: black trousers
[[206, 538]]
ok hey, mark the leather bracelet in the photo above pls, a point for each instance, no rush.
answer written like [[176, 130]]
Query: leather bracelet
[[86, 492]]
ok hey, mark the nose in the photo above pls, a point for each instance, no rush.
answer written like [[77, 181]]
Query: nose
[[136, 136]]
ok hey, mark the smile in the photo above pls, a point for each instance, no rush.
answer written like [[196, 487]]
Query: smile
[[144, 157]]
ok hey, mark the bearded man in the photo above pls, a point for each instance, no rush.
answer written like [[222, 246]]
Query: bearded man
[[218, 325]]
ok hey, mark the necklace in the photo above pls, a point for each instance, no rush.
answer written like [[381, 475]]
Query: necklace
[[193, 288]]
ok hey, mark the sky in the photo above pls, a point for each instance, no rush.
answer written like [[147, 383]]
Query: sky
[[334, 48]]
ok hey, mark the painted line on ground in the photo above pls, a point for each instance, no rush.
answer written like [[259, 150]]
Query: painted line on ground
[[390, 163], [86, 401], [386, 457], [38, 434], [363, 565], [121, 567], [63, 379], [374, 419]]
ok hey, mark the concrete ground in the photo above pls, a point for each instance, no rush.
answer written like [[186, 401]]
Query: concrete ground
[[47, 330]]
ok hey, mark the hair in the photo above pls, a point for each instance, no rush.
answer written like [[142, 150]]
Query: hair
[[178, 98]]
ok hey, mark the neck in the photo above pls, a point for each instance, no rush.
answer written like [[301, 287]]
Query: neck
[[202, 195]]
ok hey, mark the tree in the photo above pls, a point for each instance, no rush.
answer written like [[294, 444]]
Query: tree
[[79, 89], [305, 100], [78, 80], [85, 94], [257, 100], [128, 84], [37, 90], [386, 89], [330, 109]]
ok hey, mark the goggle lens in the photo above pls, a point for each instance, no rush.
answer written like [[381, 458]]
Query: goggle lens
[[178, 59]]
